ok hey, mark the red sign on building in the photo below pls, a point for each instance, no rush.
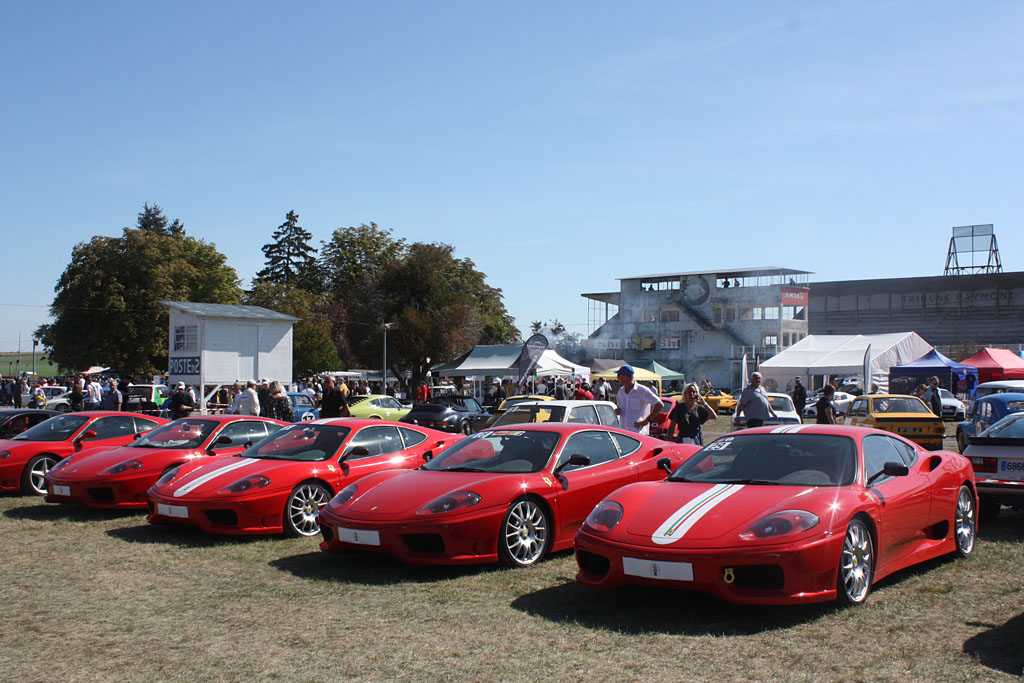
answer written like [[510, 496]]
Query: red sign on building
[[795, 296]]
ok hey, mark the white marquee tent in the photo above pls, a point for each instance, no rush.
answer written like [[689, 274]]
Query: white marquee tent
[[502, 360], [843, 354]]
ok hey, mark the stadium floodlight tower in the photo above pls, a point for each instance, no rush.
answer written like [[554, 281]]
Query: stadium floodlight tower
[[967, 243]]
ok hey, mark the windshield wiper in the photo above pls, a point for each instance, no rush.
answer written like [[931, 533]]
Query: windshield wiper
[[463, 469], [763, 482], [683, 479]]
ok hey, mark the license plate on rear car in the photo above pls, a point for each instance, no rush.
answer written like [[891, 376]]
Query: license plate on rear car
[[61, 490], [909, 430], [360, 536], [671, 571], [172, 510]]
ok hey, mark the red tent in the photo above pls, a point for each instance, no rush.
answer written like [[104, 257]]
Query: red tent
[[996, 364]]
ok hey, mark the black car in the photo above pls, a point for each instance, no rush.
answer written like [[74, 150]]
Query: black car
[[17, 420], [449, 414]]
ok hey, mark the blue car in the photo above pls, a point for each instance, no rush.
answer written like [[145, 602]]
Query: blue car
[[303, 407], [986, 411]]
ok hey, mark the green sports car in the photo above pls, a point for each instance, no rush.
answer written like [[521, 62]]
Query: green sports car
[[376, 406]]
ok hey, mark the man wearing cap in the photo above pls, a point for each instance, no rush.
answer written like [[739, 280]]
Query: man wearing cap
[[248, 400], [754, 403], [637, 404], [333, 403], [799, 396], [180, 404]]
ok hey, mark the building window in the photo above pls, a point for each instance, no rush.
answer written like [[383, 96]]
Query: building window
[[670, 315], [186, 338], [718, 315], [730, 314], [771, 312], [770, 340], [650, 315]]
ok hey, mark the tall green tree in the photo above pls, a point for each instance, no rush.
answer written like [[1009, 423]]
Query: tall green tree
[[107, 307], [291, 259], [352, 261], [152, 219], [314, 349]]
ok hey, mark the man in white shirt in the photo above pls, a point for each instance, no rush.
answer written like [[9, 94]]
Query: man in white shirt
[[249, 402], [94, 395], [637, 404]]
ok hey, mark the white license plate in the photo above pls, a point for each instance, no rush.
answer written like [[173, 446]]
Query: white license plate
[[61, 490], [909, 430], [172, 510], [670, 571], [360, 536], [1011, 467]]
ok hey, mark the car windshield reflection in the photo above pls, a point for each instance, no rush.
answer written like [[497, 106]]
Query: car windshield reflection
[[302, 442], [58, 428], [506, 451]]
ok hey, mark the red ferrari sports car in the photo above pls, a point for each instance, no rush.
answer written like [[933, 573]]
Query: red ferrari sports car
[[279, 484], [26, 458], [504, 494], [793, 514], [120, 477]]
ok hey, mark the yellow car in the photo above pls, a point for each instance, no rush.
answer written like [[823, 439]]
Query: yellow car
[[907, 416], [721, 401], [377, 407], [511, 401]]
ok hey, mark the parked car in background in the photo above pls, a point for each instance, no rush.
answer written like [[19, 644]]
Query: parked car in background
[[721, 401], [513, 400], [583, 412], [146, 397], [952, 407], [303, 408], [840, 404], [785, 412], [60, 403], [449, 414], [985, 412], [14, 421], [377, 407], [997, 455], [907, 416], [1002, 386]]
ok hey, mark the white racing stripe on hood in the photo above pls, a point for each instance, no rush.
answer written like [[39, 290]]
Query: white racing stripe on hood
[[196, 483], [680, 521], [789, 429]]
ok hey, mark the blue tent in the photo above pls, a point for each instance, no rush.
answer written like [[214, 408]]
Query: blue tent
[[956, 377]]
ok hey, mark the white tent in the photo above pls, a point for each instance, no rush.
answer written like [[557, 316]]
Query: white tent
[[502, 360], [551, 363], [843, 354]]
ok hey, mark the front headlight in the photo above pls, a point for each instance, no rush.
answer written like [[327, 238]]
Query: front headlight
[[780, 524], [168, 476], [123, 467], [605, 517], [60, 464], [4, 455], [253, 481], [344, 495], [449, 502]]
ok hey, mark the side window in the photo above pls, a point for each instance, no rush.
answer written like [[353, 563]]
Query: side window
[[859, 408], [627, 444], [473, 405], [302, 401], [412, 437], [878, 450], [595, 445], [584, 414], [390, 403], [242, 432], [377, 440], [608, 416], [143, 425], [376, 403], [906, 451], [113, 427]]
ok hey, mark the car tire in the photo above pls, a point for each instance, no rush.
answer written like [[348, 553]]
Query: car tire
[[32, 481], [989, 510], [856, 565], [965, 522], [302, 508], [961, 440], [525, 533], [466, 428]]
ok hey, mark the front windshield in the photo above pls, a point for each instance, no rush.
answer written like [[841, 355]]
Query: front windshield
[[515, 400], [178, 434], [523, 414], [60, 428], [303, 442], [782, 459], [1010, 427], [508, 451], [781, 403], [899, 404]]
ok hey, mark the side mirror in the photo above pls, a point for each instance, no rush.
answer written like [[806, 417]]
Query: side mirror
[[665, 464], [428, 456], [87, 434], [358, 451], [890, 469], [576, 460], [136, 436], [222, 441]]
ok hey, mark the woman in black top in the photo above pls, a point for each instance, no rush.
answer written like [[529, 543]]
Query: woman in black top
[[689, 414]]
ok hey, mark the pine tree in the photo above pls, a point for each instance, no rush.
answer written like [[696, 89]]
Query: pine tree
[[290, 258], [152, 219]]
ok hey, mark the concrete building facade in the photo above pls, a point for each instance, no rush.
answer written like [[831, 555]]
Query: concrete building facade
[[701, 323]]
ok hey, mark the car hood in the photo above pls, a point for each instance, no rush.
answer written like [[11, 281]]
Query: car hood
[[218, 471], [406, 493], [86, 464], [680, 513]]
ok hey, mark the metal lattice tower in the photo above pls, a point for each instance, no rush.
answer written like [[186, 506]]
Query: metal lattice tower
[[966, 243]]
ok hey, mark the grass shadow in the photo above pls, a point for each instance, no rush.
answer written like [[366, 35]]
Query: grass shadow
[[1008, 527], [69, 512], [182, 536], [643, 610], [375, 569], [999, 647]]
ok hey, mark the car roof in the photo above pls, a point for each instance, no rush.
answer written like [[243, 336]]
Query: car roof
[[11, 412], [224, 417], [564, 402], [1002, 384], [835, 429], [562, 428], [357, 422], [1005, 397]]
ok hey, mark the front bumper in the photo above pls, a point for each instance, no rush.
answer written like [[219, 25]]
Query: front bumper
[[113, 494], [1006, 492], [263, 514], [775, 575]]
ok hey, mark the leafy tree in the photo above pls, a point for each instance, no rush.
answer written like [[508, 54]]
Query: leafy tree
[[554, 326], [314, 350], [353, 259], [290, 258], [152, 219], [107, 307]]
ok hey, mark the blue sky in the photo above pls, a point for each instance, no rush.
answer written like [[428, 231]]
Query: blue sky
[[559, 145]]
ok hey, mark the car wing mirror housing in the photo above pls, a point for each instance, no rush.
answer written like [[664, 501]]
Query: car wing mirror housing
[[358, 451], [665, 464], [576, 460]]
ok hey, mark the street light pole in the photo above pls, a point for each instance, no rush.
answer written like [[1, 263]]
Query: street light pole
[[384, 371]]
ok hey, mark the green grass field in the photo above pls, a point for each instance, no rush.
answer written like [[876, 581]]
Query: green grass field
[[10, 365], [102, 596]]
